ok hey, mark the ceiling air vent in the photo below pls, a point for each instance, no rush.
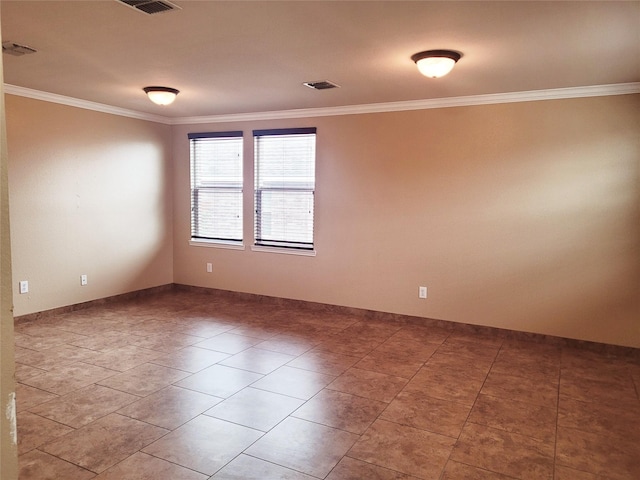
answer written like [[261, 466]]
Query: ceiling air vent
[[150, 6], [16, 49], [323, 85]]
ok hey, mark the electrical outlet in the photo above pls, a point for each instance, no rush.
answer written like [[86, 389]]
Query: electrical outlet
[[83, 280], [24, 286], [422, 292], [209, 267]]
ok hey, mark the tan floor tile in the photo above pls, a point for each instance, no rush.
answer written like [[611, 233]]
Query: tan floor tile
[[479, 352], [124, 358], [599, 418], [48, 335], [170, 407], [219, 381], [53, 357], [84, 406], [520, 350], [255, 408], [504, 452], [352, 469], [303, 446], [204, 444], [34, 430], [341, 410], [190, 359], [165, 341], [404, 449], [364, 383], [28, 397], [67, 378], [24, 372], [345, 345], [255, 331], [533, 358], [636, 380], [433, 414], [32, 358], [564, 473], [612, 392], [315, 333], [489, 338], [141, 466], [105, 341], [148, 326], [533, 372], [257, 360], [289, 344], [324, 362], [421, 333], [201, 328], [37, 465], [516, 417], [229, 343], [478, 367], [612, 457], [457, 385], [583, 359], [144, 379], [460, 471], [244, 467], [499, 405], [371, 330], [521, 389], [36, 343], [389, 364], [407, 349], [105, 442], [294, 382]]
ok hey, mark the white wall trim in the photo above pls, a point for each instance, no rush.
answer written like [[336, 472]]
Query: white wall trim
[[85, 104], [464, 101]]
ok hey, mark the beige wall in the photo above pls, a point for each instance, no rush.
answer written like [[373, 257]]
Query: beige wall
[[89, 194], [522, 216]]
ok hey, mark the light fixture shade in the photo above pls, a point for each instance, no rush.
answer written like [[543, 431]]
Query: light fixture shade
[[436, 63], [161, 95]]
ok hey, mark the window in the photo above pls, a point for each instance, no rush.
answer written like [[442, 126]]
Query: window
[[284, 187], [216, 187]]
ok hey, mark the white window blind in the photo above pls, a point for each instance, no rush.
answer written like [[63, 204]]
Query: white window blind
[[285, 162], [216, 186]]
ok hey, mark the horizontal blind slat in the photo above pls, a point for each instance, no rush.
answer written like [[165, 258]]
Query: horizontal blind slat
[[284, 188], [216, 186]]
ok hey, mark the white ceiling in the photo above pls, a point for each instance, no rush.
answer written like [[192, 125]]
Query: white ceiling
[[253, 56]]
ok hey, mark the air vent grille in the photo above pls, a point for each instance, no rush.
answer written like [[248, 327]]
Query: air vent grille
[[16, 49], [322, 85], [150, 7]]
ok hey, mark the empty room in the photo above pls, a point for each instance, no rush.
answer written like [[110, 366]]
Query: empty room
[[342, 240]]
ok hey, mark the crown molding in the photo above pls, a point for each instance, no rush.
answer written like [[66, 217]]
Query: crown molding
[[464, 101], [85, 104]]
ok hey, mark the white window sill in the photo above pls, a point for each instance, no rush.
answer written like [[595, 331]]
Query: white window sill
[[284, 251], [217, 244]]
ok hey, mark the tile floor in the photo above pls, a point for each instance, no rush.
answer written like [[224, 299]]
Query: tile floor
[[188, 386]]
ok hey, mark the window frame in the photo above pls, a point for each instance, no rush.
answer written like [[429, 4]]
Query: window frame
[[195, 240], [282, 246]]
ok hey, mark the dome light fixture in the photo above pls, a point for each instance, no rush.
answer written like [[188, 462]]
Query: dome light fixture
[[161, 95], [436, 63]]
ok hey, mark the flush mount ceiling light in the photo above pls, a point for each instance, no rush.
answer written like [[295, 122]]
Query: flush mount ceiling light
[[436, 63], [161, 95]]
